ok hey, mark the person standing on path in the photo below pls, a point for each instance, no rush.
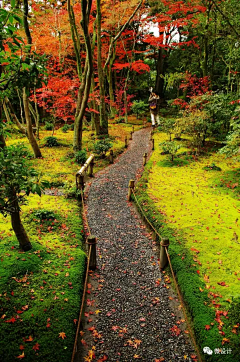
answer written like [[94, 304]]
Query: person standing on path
[[154, 108]]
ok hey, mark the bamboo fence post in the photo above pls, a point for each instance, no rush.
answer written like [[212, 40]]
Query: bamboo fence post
[[130, 188], [132, 129], [92, 240], [130, 136], [126, 142], [90, 174], [163, 255], [153, 144], [151, 135], [111, 156], [144, 158], [80, 182]]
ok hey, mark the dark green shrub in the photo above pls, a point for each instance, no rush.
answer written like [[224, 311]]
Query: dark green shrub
[[48, 126], [71, 192], [81, 157], [212, 167], [120, 120], [43, 214], [65, 128], [102, 146], [51, 141], [71, 126]]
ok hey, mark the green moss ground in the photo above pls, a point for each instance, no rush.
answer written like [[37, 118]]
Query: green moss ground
[[40, 290], [198, 210]]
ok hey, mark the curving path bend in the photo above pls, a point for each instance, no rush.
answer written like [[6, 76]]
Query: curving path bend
[[128, 315]]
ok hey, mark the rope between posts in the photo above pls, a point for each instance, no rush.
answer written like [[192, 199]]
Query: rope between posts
[[85, 283], [84, 213], [82, 305], [174, 279]]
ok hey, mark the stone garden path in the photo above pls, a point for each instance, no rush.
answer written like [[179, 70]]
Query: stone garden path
[[128, 315]]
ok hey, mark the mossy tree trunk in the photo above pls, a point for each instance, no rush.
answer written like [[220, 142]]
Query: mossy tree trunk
[[17, 225], [30, 134], [101, 74], [84, 89]]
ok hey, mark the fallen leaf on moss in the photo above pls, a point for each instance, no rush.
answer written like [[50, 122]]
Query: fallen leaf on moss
[[225, 340], [12, 320], [62, 335], [21, 356], [36, 346]]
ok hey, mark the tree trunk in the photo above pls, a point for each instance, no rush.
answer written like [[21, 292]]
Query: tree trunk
[[84, 89], [14, 117], [25, 24], [20, 232], [101, 74], [30, 134], [159, 84], [95, 116], [205, 43]]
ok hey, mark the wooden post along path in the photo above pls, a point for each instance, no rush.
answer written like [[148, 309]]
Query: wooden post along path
[[111, 156], [163, 255], [80, 174], [126, 142], [92, 241], [130, 188], [144, 158]]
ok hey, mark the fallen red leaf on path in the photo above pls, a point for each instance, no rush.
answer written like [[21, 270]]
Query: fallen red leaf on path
[[102, 359]]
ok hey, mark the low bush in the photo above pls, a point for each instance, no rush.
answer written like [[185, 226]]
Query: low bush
[[51, 141], [65, 128], [43, 214], [48, 126], [81, 157], [102, 146], [212, 167]]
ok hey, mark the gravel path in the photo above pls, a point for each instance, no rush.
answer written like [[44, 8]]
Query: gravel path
[[131, 313]]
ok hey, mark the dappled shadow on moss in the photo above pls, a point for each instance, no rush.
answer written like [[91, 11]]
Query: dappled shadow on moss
[[177, 162], [227, 182]]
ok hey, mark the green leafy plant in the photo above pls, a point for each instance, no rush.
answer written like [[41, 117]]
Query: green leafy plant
[[65, 128], [212, 167], [17, 181], [170, 147], [120, 120], [139, 108], [43, 214], [81, 156], [71, 192], [102, 146], [48, 126], [167, 125], [51, 141]]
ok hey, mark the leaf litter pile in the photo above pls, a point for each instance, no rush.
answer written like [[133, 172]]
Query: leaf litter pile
[[129, 314]]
